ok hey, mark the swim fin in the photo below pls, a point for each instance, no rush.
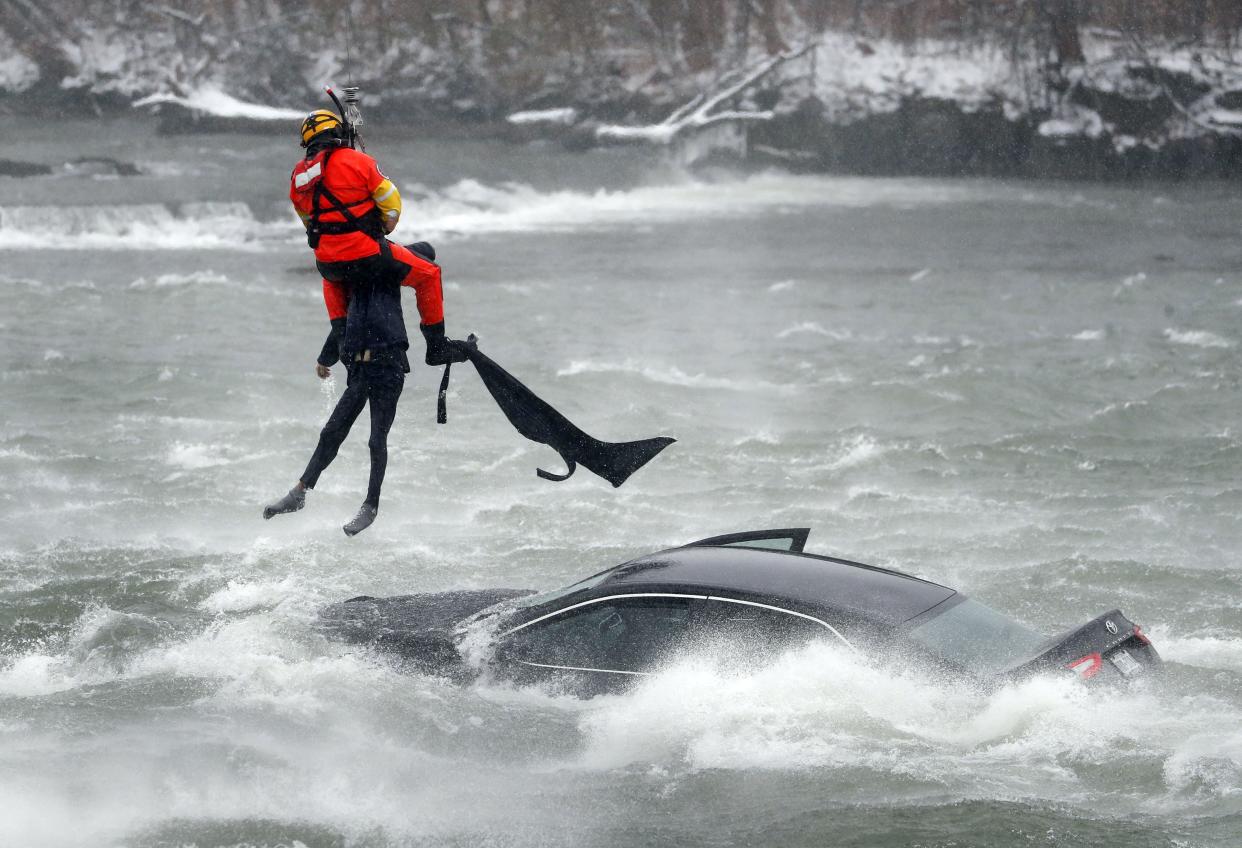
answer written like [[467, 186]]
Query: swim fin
[[538, 421]]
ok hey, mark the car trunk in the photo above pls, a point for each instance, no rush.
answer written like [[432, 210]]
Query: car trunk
[[1107, 646]]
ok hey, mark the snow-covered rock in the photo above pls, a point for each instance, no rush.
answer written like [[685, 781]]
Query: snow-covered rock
[[17, 72], [1072, 120], [210, 100], [565, 116]]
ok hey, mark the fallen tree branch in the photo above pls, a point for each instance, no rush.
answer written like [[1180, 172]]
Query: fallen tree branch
[[184, 17], [1154, 69], [700, 111]]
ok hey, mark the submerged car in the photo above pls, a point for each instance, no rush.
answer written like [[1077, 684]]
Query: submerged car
[[742, 597]]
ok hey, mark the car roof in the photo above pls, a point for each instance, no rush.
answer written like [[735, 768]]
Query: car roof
[[804, 579]]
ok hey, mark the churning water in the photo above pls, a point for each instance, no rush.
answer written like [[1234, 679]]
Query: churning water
[[1026, 391]]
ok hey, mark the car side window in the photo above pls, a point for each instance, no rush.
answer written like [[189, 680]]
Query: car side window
[[626, 634], [747, 634]]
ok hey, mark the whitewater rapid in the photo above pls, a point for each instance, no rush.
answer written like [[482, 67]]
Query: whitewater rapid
[[1026, 392]]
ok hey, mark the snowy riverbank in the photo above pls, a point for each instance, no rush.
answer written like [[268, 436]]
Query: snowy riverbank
[[840, 103]]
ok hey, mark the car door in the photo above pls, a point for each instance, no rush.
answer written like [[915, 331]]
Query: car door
[[599, 646]]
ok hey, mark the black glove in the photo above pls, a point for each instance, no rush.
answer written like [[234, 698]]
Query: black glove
[[441, 350], [332, 345]]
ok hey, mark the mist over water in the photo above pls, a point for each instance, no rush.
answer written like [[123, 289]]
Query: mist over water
[[1025, 391]]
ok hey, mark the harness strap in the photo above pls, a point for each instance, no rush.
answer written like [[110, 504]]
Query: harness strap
[[557, 478], [352, 223], [442, 400]]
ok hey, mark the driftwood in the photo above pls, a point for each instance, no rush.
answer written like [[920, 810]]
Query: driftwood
[[704, 110]]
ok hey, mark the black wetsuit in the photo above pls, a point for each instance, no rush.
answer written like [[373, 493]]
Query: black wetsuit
[[371, 343], [378, 383]]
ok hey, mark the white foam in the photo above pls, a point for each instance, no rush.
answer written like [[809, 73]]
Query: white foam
[[258, 666], [825, 709], [192, 457], [1215, 652], [21, 453], [149, 226], [241, 596], [470, 206], [815, 329], [176, 280], [1196, 338], [821, 706], [93, 653], [670, 376], [1088, 336], [855, 451], [521, 289], [761, 437], [251, 655], [35, 674], [1207, 762]]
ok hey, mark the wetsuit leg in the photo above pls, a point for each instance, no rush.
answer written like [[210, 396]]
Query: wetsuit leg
[[422, 249], [384, 384], [337, 428]]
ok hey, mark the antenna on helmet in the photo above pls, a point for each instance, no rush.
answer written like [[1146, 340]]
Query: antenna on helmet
[[350, 114]]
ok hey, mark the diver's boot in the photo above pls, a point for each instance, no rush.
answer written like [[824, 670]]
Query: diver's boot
[[361, 521], [292, 502]]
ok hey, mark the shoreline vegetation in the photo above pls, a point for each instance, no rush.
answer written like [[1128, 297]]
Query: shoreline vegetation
[[1098, 89]]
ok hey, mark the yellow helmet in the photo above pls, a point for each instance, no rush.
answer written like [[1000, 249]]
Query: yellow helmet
[[321, 120]]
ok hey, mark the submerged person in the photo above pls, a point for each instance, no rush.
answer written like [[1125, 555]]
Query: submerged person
[[348, 207]]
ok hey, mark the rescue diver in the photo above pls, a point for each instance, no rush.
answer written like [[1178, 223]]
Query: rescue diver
[[348, 208]]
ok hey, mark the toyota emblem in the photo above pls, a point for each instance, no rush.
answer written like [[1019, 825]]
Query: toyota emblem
[[1110, 627]]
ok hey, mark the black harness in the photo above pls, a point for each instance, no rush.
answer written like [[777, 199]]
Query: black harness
[[369, 222]]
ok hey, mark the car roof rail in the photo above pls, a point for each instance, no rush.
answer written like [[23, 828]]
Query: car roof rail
[[797, 537]]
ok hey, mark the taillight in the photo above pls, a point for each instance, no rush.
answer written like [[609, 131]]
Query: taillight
[[1087, 667], [1140, 635]]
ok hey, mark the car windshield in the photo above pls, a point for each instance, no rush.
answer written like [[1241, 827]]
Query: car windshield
[[548, 597], [977, 638]]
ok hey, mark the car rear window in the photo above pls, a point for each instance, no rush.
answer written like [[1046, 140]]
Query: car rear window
[[977, 638], [547, 597]]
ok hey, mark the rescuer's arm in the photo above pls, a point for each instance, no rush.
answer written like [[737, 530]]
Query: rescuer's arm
[[388, 199], [383, 192]]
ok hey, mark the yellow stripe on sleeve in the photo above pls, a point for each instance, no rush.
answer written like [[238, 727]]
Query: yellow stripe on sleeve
[[388, 199]]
